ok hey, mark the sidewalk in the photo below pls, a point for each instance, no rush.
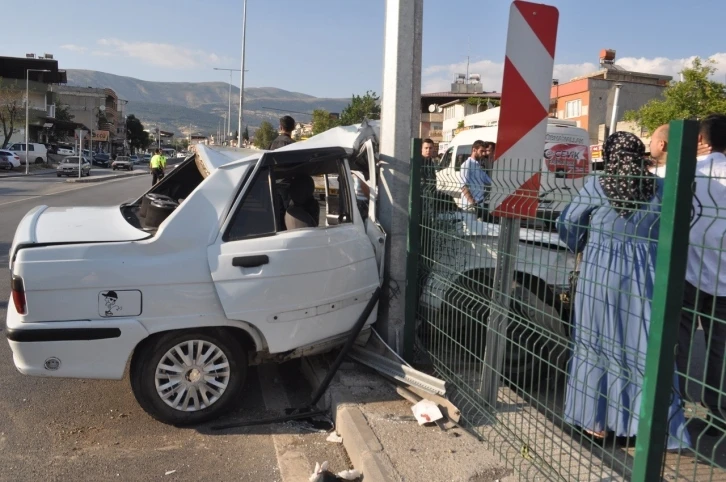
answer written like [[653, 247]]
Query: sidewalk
[[384, 441], [108, 177]]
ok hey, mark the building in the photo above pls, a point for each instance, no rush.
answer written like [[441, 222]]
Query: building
[[13, 72], [441, 112], [98, 110], [589, 100], [302, 130]]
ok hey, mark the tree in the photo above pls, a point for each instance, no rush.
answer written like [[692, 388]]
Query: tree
[[693, 98], [245, 134], [101, 120], [487, 103], [12, 111], [264, 135], [322, 121], [136, 135], [361, 108], [62, 114]]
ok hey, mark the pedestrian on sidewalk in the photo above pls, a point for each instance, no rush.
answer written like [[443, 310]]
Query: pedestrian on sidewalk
[[614, 221], [705, 289], [287, 125]]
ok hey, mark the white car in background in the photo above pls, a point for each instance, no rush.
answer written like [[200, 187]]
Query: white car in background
[[11, 156], [227, 261], [38, 153]]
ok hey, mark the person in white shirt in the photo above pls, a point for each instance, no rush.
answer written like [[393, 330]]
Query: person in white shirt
[[659, 150], [475, 182], [705, 289]]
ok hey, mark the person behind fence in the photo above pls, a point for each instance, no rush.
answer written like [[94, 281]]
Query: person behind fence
[[614, 221], [475, 182], [659, 150], [705, 288]]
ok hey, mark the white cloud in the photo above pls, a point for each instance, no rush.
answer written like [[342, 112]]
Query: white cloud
[[438, 78], [158, 54], [74, 48]]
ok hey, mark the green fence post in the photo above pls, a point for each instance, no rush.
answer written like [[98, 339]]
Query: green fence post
[[670, 272], [413, 249]]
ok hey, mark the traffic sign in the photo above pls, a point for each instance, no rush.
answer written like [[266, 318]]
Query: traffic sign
[[528, 65]]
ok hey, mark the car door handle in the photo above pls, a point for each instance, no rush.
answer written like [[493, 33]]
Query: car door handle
[[250, 261]]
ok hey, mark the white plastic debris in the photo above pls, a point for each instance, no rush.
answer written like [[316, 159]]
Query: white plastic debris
[[426, 411], [169, 472], [351, 474], [319, 471], [335, 438]]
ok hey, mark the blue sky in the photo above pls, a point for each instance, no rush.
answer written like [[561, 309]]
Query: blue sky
[[334, 48]]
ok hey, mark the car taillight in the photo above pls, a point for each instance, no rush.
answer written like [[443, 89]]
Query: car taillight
[[18, 289]]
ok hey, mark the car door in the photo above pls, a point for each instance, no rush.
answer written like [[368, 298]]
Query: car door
[[298, 287], [375, 232]]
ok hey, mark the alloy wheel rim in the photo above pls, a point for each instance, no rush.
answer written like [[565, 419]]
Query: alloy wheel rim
[[192, 375]]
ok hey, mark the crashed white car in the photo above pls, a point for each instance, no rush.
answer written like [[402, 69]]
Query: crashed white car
[[228, 261]]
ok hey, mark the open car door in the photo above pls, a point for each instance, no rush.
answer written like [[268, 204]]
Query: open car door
[[374, 230]]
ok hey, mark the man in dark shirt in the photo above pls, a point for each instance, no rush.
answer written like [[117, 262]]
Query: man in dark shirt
[[287, 125]]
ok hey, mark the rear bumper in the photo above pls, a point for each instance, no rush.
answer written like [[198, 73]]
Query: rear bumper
[[73, 349]]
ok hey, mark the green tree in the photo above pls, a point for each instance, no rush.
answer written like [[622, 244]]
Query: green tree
[[12, 111], [694, 98], [62, 114], [245, 134], [361, 107], [322, 121], [264, 135], [137, 137]]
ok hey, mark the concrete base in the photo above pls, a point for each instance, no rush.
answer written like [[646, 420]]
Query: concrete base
[[107, 177]]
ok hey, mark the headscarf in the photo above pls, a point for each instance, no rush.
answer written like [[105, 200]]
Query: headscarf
[[627, 180]]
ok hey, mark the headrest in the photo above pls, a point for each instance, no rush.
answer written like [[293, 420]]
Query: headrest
[[302, 189]]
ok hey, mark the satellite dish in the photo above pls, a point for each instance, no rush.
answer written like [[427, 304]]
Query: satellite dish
[[439, 109], [432, 108]]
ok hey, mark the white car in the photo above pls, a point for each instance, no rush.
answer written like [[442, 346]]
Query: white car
[[38, 153], [223, 263], [11, 156]]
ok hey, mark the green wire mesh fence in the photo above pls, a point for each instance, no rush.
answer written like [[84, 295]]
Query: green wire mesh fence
[[607, 296]]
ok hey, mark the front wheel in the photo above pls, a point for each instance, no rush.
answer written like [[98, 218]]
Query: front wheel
[[185, 378], [39, 160]]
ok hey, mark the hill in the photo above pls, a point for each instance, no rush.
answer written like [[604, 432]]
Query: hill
[[174, 106]]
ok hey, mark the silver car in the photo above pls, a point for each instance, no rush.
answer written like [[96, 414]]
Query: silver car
[[69, 167], [122, 162]]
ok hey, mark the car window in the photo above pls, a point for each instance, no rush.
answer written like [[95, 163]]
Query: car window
[[255, 214], [31, 147], [462, 154], [446, 160]]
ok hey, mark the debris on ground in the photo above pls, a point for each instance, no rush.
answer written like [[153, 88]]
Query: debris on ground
[[322, 474], [334, 438], [169, 472], [426, 411]]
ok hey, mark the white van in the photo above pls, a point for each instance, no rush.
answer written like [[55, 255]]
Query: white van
[[565, 163], [38, 152]]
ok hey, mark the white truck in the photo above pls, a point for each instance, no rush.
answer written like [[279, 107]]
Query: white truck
[[220, 265]]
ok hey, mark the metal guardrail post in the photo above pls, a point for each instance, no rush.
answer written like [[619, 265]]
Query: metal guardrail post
[[413, 249], [670, 272], [498, 323]]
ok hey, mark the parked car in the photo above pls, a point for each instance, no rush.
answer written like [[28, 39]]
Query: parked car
[[66, 151], [122, 162], [146, 159], [5, 163], [38, 152], [135, 159], [12, 157], [69, 167], [200, 276], [101, 159]]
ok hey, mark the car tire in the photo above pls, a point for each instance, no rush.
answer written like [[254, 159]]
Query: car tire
[[167, 398], [39, 160], [532, 347], [58, 175]]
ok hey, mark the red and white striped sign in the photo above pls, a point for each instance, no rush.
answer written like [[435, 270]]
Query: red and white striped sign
[[528, 66]]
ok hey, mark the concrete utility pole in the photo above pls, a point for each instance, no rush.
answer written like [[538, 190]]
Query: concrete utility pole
[[400, 119], [242, 73]]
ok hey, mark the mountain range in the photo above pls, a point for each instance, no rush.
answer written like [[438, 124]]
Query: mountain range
[[175, 106]]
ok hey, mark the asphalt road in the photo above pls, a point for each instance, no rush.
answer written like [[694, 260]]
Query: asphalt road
[[56, 429]]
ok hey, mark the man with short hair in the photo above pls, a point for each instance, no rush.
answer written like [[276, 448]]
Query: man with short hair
[[428, 172], [659, 150], [287, 125], [488, 160], [705, 287], [475, 181]]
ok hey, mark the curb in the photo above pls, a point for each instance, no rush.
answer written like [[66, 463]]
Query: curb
[[108, 177], [22, 174], [363, 447]]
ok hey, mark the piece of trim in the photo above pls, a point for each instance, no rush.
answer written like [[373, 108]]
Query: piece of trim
[[62, 334]]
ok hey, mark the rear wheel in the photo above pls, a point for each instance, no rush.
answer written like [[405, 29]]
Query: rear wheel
[[58, 175], [39, 160], [188, 377], [529, 351]]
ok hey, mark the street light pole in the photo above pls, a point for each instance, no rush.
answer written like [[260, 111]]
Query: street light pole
[[27, 113], [228, 126], [242, 73]]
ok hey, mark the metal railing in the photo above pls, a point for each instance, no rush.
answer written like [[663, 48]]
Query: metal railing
[[607, 298]]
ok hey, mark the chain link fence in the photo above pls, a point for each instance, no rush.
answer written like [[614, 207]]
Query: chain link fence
[[602, 356]]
